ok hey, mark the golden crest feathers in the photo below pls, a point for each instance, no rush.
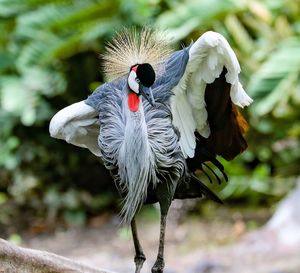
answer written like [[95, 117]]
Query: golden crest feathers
[[130, 47]]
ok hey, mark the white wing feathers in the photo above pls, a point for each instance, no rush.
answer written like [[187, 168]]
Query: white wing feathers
[[77, 124], [207, 57]]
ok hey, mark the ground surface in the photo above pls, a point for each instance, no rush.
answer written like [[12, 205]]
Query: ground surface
[[226, 244]]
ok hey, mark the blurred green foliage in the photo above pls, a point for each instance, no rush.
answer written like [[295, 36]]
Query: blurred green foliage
[[49, 58]]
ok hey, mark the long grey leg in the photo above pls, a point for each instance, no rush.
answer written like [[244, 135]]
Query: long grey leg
[[139, 258], [159, 264], [164, 194]]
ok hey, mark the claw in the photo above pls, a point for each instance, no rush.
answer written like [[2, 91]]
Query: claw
[[159, 265]]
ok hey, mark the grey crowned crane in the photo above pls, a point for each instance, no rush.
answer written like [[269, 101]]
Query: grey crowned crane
[[162, 116]]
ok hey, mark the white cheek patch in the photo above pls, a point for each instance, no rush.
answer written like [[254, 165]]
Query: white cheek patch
[[134, 86]]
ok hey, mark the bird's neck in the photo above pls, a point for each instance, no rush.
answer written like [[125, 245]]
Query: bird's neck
[[136, 160], [133, 101]]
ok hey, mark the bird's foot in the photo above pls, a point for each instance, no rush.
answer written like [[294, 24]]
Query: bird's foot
[[139, 261], [159, 265]]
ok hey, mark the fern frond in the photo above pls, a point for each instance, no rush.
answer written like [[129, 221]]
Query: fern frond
[[273, 83]]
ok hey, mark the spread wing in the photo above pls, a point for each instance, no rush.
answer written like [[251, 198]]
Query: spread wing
[[203, 105], [77, 124]]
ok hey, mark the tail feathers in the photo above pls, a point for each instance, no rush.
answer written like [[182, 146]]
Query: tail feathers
[[213, 172], [204, 153], [207, 175], [195, 188], [220, 167]]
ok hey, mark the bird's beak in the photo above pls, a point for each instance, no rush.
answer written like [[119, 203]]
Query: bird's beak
[[147, 93]]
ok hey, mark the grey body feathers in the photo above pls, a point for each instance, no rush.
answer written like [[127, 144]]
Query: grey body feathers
[[141, 149]]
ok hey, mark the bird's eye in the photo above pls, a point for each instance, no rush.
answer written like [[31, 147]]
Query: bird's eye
[[137, 80]]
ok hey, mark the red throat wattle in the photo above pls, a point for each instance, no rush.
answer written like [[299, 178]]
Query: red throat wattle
[[133, 101]]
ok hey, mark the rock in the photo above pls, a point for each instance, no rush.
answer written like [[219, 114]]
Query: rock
[[285, 222]]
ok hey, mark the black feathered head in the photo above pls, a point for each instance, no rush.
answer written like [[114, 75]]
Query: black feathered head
[[145, 73], [140, 79]]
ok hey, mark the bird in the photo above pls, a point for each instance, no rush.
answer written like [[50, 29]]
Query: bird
[[161, 116]]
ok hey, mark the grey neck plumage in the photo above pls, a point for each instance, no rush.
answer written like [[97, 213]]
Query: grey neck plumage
[[136, 160]]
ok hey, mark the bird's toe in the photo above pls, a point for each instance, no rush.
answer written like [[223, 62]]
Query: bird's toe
[[159, 265]]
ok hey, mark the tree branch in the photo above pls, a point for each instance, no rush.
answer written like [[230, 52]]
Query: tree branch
[[14, 259]]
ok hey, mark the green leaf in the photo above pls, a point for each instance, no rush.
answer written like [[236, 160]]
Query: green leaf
[[271, 85], [192, 14]]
